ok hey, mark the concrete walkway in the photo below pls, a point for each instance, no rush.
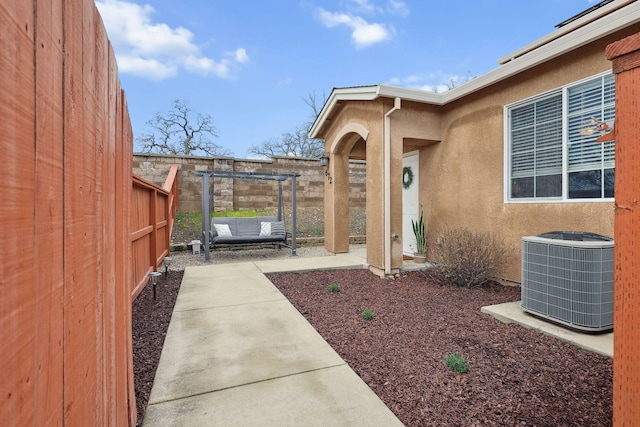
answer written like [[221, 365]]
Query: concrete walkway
[[511, 312], [237, 353]]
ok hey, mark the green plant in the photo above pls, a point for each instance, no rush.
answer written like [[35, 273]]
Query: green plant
[[334, 288], [419, 230], [467, 259], [457, 363], [368, 314]]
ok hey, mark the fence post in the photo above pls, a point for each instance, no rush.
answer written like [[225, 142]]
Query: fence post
[[206, 214], [625, 55]]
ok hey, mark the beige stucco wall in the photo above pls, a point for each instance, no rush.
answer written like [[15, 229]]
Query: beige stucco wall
[[462, 178], [461, 148], [368, 116]]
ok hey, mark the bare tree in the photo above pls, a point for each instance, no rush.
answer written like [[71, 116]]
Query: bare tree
[[295, 143], [453, 83], [315, 104], [178, 132]]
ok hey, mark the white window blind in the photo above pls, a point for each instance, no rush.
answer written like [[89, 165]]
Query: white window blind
[[549, 157], [591, 100], [537, 138]]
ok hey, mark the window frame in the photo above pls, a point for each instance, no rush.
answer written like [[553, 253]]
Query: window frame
[[564, 197]]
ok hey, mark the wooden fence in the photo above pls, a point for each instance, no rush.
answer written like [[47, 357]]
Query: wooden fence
[[66, 271], [153, 214], [625, 56]]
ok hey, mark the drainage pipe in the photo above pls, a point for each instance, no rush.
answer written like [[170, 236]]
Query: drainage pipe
[[387, 185]]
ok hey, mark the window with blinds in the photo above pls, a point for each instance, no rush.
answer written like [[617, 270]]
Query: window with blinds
[[549, 158]]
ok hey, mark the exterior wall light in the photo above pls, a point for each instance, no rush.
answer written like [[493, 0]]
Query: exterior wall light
[[154, 277], [324, 162]]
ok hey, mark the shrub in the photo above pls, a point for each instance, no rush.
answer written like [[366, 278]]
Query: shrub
[[334, 288], [368, 314], [468, 259], [457, 363]]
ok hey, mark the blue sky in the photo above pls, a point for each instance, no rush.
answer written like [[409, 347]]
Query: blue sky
[[248, 64]]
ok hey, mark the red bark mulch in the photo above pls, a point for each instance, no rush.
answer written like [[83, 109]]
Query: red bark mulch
[[150, 322], [517, 376]]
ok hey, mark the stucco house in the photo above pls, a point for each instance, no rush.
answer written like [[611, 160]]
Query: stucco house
[[512, 152]]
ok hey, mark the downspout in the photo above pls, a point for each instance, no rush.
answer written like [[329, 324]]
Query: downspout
[[387, 185]]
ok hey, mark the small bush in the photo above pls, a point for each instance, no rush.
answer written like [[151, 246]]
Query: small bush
[[334, 288], [467, 259], [457, 363], [368, 315]]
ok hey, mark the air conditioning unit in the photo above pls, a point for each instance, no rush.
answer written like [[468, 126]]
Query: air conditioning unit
[[567, 277]]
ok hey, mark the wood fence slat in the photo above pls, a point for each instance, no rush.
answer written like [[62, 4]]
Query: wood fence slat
[[138, 234], [49, 212], [123, 248], [18, 311], [80, 309], [625, 57], [106, 224]]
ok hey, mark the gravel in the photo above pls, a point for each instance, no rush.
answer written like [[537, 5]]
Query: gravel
[[182, 259]]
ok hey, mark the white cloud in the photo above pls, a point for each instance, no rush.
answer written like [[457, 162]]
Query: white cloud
[[363, 33], [285, 82], [398, 8], [366, 6], [432, 82], [155, 50], [149, 68], [241, 56]]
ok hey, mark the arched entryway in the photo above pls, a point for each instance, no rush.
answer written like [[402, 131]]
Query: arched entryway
[[349, 143]]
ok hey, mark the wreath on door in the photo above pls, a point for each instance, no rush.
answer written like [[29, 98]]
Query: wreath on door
[[407, 177]]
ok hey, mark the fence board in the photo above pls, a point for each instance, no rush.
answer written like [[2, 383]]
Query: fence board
[[48, 213], [123, 250], [80, 358], [18, 315], [625, 55]]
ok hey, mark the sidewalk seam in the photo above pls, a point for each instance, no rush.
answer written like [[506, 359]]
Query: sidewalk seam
[[249, 383], [230, 305]]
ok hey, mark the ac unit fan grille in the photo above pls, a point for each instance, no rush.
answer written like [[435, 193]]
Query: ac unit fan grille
[[572, 285]]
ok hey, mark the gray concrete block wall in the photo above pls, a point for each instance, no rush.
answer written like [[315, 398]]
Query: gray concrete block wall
[[229, 194]]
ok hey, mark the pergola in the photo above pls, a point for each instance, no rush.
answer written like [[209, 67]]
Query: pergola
[[255, 176]]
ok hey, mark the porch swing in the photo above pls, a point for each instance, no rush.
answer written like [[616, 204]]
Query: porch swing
[[247, 231]]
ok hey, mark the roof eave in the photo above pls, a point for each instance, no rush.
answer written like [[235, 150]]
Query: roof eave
[[609, 24], [566, 29], [369, 93], [611, 19]]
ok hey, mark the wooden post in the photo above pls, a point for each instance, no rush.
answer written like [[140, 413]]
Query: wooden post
[[625, 55]]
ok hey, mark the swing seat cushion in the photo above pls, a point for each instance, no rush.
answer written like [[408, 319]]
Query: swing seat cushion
[[247, 230]]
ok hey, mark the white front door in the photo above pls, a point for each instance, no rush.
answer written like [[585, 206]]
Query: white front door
[[410, 203]]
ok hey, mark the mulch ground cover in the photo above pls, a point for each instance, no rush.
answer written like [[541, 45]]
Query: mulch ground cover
[[516, 377], [150, 322]]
